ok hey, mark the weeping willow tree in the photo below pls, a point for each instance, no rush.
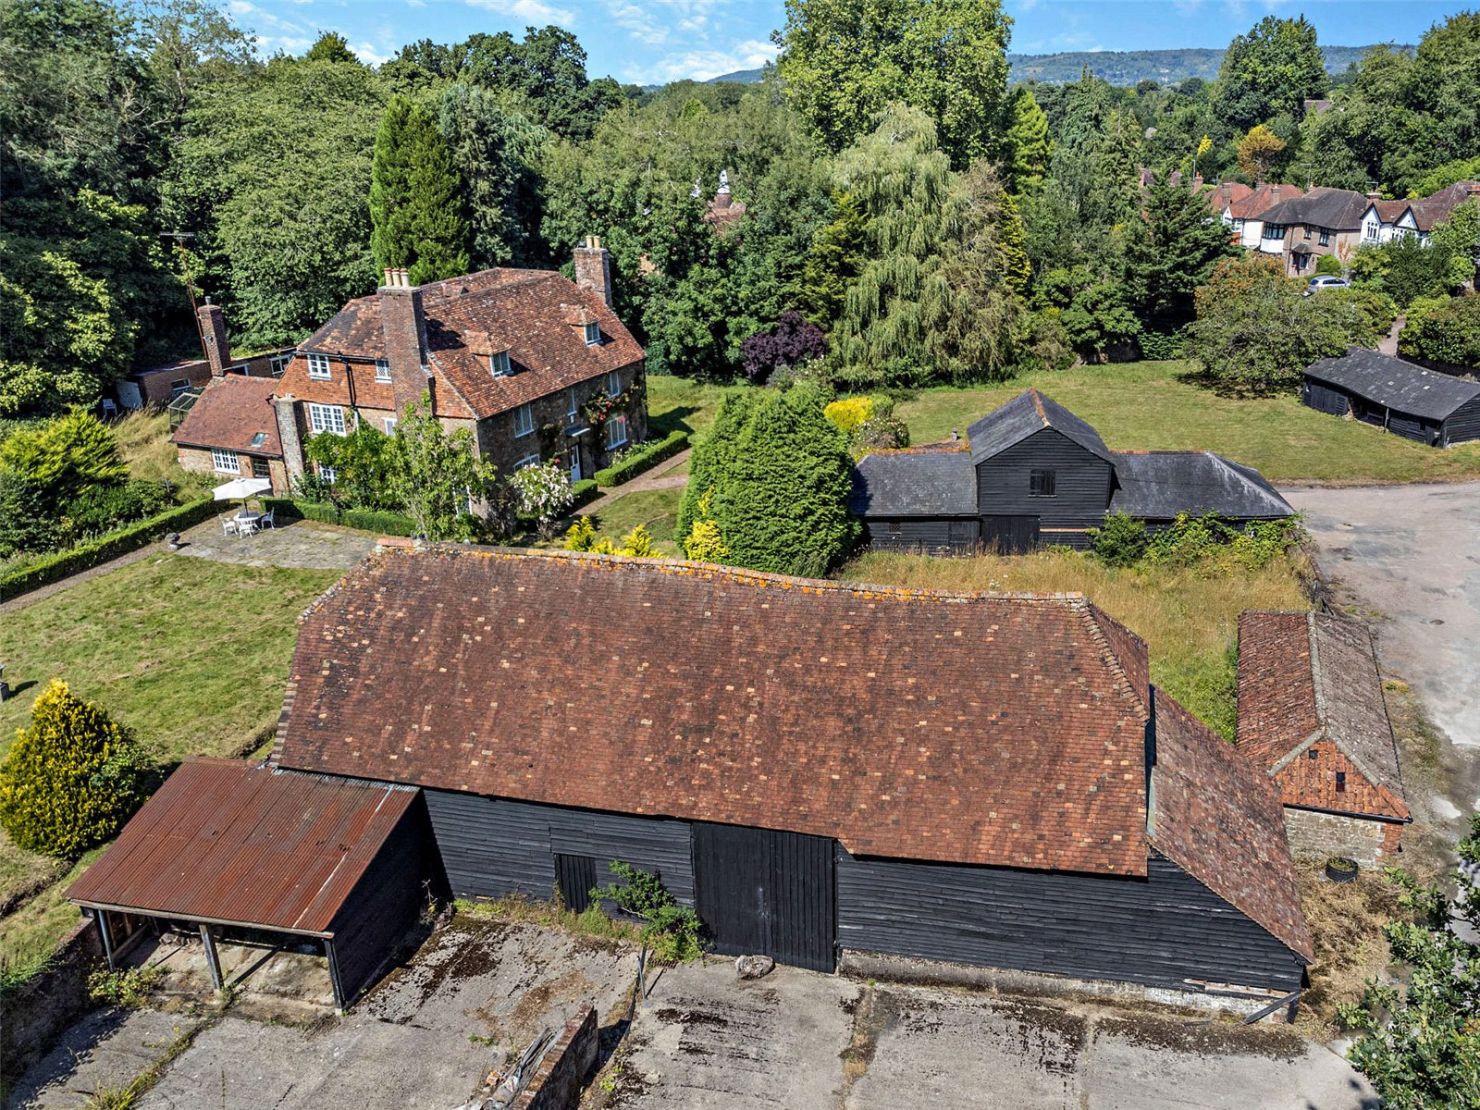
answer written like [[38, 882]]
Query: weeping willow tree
[[932, 301]]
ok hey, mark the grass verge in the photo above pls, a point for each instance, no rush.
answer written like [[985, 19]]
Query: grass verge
[[518, 908], [1187, 615], [1346, 922]]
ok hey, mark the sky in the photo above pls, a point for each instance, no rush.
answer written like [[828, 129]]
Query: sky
[[653, 41]]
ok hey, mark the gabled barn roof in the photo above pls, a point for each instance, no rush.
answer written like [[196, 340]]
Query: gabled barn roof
[[1395, 384], [1027, 414], [1305, 677], [914, 484], [1160, 485]]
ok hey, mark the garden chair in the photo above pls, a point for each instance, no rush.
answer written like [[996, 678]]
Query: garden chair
[[229, 526], [266, 521]]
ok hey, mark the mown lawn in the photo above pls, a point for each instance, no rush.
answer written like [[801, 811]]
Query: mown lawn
[[1188, 616], [192, 654], [682, 404], [1147, 406]]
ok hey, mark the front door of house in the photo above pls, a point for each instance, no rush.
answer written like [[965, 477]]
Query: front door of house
[[575, 464]]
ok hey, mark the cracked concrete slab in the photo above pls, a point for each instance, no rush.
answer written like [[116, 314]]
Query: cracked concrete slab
[[104, 1050]]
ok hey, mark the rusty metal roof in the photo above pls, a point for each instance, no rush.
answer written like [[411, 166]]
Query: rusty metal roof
[[244, 844]]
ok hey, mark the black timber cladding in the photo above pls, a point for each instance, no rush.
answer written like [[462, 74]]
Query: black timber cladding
[[923, 537], [1167, 930], [1408, 400], [1082, 481]]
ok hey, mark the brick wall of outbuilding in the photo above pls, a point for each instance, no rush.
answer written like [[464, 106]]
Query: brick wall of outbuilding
[[557, 1082]]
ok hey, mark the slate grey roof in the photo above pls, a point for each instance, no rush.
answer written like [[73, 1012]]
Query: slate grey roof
[[1027, 413], [1395, 384], [1158, 486], [914, 483], [1338, 209]]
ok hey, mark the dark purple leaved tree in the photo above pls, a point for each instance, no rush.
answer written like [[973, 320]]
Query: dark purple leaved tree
[[793, 341]]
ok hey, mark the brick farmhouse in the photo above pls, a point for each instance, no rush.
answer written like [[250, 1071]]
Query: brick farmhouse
[[1311, 712]]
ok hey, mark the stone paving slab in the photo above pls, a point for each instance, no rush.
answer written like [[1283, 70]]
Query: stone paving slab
[[303, 544]]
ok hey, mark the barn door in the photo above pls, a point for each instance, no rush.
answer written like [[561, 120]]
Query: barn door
[[760, 891], [575, 876], [1010, 535]]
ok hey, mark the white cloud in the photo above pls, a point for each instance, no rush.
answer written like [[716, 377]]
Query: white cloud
[[637, 21], [700, 65], [530, 11]]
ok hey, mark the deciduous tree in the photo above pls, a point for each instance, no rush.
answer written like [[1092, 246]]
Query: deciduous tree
[[1258, 151], [1270, 70]]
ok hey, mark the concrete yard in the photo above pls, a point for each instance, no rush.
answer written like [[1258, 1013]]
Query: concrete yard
[[803, 1040]]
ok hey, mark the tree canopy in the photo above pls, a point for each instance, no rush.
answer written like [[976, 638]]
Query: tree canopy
[[416, 204]]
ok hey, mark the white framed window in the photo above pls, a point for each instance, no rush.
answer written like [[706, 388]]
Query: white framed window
[[1369, 230], [523, 420], [571, 409], [225, 461], [528, 460], [326, 418], [593, 334], [382, 369], [328, 474], [318, 367], [389, 424], [498, 364], [616, 431], [613, 383], [278, 364]]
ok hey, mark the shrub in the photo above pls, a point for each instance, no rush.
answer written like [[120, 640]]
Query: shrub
[[881, 431], [583, 491], [582, 536], [64, 456], [1445, 332], [670, 930], [704, 544], [794, 341], [1042, 341], [325, 512], [72, 778], [1329, 265], [645, 457], [1375, 312], [380, 521], [1161, 346], [26, 522], [1121, 542], [542, 492], [100, 508], [849, 414], [124, 987]]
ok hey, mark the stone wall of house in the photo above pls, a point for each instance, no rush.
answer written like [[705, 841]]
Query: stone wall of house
[[200, 460], [1314, 835], [498, 444], [34, 1015], [557, 1082]]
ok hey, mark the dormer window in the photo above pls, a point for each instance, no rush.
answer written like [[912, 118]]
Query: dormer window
[[382, 370], [318, 367], [498, 364], [593, 334]]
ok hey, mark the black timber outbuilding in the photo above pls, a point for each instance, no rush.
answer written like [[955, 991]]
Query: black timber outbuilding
[[1386, 392], [817, 768], [1036, 473]]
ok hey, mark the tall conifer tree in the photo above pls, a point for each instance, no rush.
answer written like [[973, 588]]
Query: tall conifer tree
[[419, 220]]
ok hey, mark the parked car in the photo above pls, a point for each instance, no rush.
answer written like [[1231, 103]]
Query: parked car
[[1325, 281]]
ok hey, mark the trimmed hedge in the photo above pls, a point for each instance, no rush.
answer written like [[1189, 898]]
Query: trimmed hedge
[[644, 459], [92, 552], [326, 512]]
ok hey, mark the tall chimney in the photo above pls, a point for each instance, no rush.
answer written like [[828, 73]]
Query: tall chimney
[[213, 332], [594, 268], [405, 330]]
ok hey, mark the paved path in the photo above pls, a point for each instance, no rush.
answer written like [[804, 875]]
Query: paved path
[[1388, 344], [660, 477]]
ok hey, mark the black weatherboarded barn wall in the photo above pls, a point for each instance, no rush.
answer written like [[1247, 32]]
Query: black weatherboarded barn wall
[[1081, 486], [1386, 392]]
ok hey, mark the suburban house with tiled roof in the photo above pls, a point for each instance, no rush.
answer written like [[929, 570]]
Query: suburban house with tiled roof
[[1245, 206], [1322, 221], [537, 366], [1386, 220], [1032, 472], [971, 779], [1311, 712], [231, 431]]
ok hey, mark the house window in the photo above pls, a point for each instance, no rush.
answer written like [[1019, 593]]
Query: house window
[[260, 469], [1312, 753], [1041, 483], [571, 411], [613, 383], [1306, 232], [1369, 230], [593, 334], [278, 364], [179, 386], [1274, 231], [896, 528], [328, 474], [326, 418], [523, 420], [389, 423], [225, 461], [318, 367], [1341, 782], [382, 370], [498, 364], [616, 431], [528, 460], [1325, 237]]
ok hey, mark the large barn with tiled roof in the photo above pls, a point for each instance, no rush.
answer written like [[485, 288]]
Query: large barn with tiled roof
[[826, 772]]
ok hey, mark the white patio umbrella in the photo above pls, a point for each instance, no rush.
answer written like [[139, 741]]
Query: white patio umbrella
[[239, 489]]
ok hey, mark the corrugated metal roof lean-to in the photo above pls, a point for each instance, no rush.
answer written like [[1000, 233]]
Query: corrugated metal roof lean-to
[[239, 843]]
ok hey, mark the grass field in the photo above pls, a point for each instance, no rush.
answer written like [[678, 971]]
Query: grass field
[[1188, 616]]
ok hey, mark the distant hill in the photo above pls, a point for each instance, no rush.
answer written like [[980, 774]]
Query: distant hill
[[1122, 67]]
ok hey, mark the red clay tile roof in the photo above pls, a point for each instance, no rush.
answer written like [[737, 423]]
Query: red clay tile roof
[[1304, 678], [1218, 818], [535, 315], [983, 729], [1226, 193], [230, 841], [231, 413], [1262, 198]]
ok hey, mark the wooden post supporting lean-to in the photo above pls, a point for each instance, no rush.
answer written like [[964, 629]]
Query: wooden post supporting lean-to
[[334, 979], [213, 961], [101, 917]]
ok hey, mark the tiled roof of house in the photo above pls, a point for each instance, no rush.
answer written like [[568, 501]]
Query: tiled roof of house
[[914, 483], [1394, 383], [1437, 207], [1338, 209], [537, 316], [1304, 677], [1026, 414], [1262, 197], [986, 729], [1227, 193], [234, 412], [1158, 485], [1219, 819]]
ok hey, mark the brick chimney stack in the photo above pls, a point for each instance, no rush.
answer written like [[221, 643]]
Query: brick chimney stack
[[213, 334], [404, 327], [594, 268]]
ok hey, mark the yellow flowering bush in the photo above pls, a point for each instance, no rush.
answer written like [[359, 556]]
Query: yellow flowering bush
[[849, 414]]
